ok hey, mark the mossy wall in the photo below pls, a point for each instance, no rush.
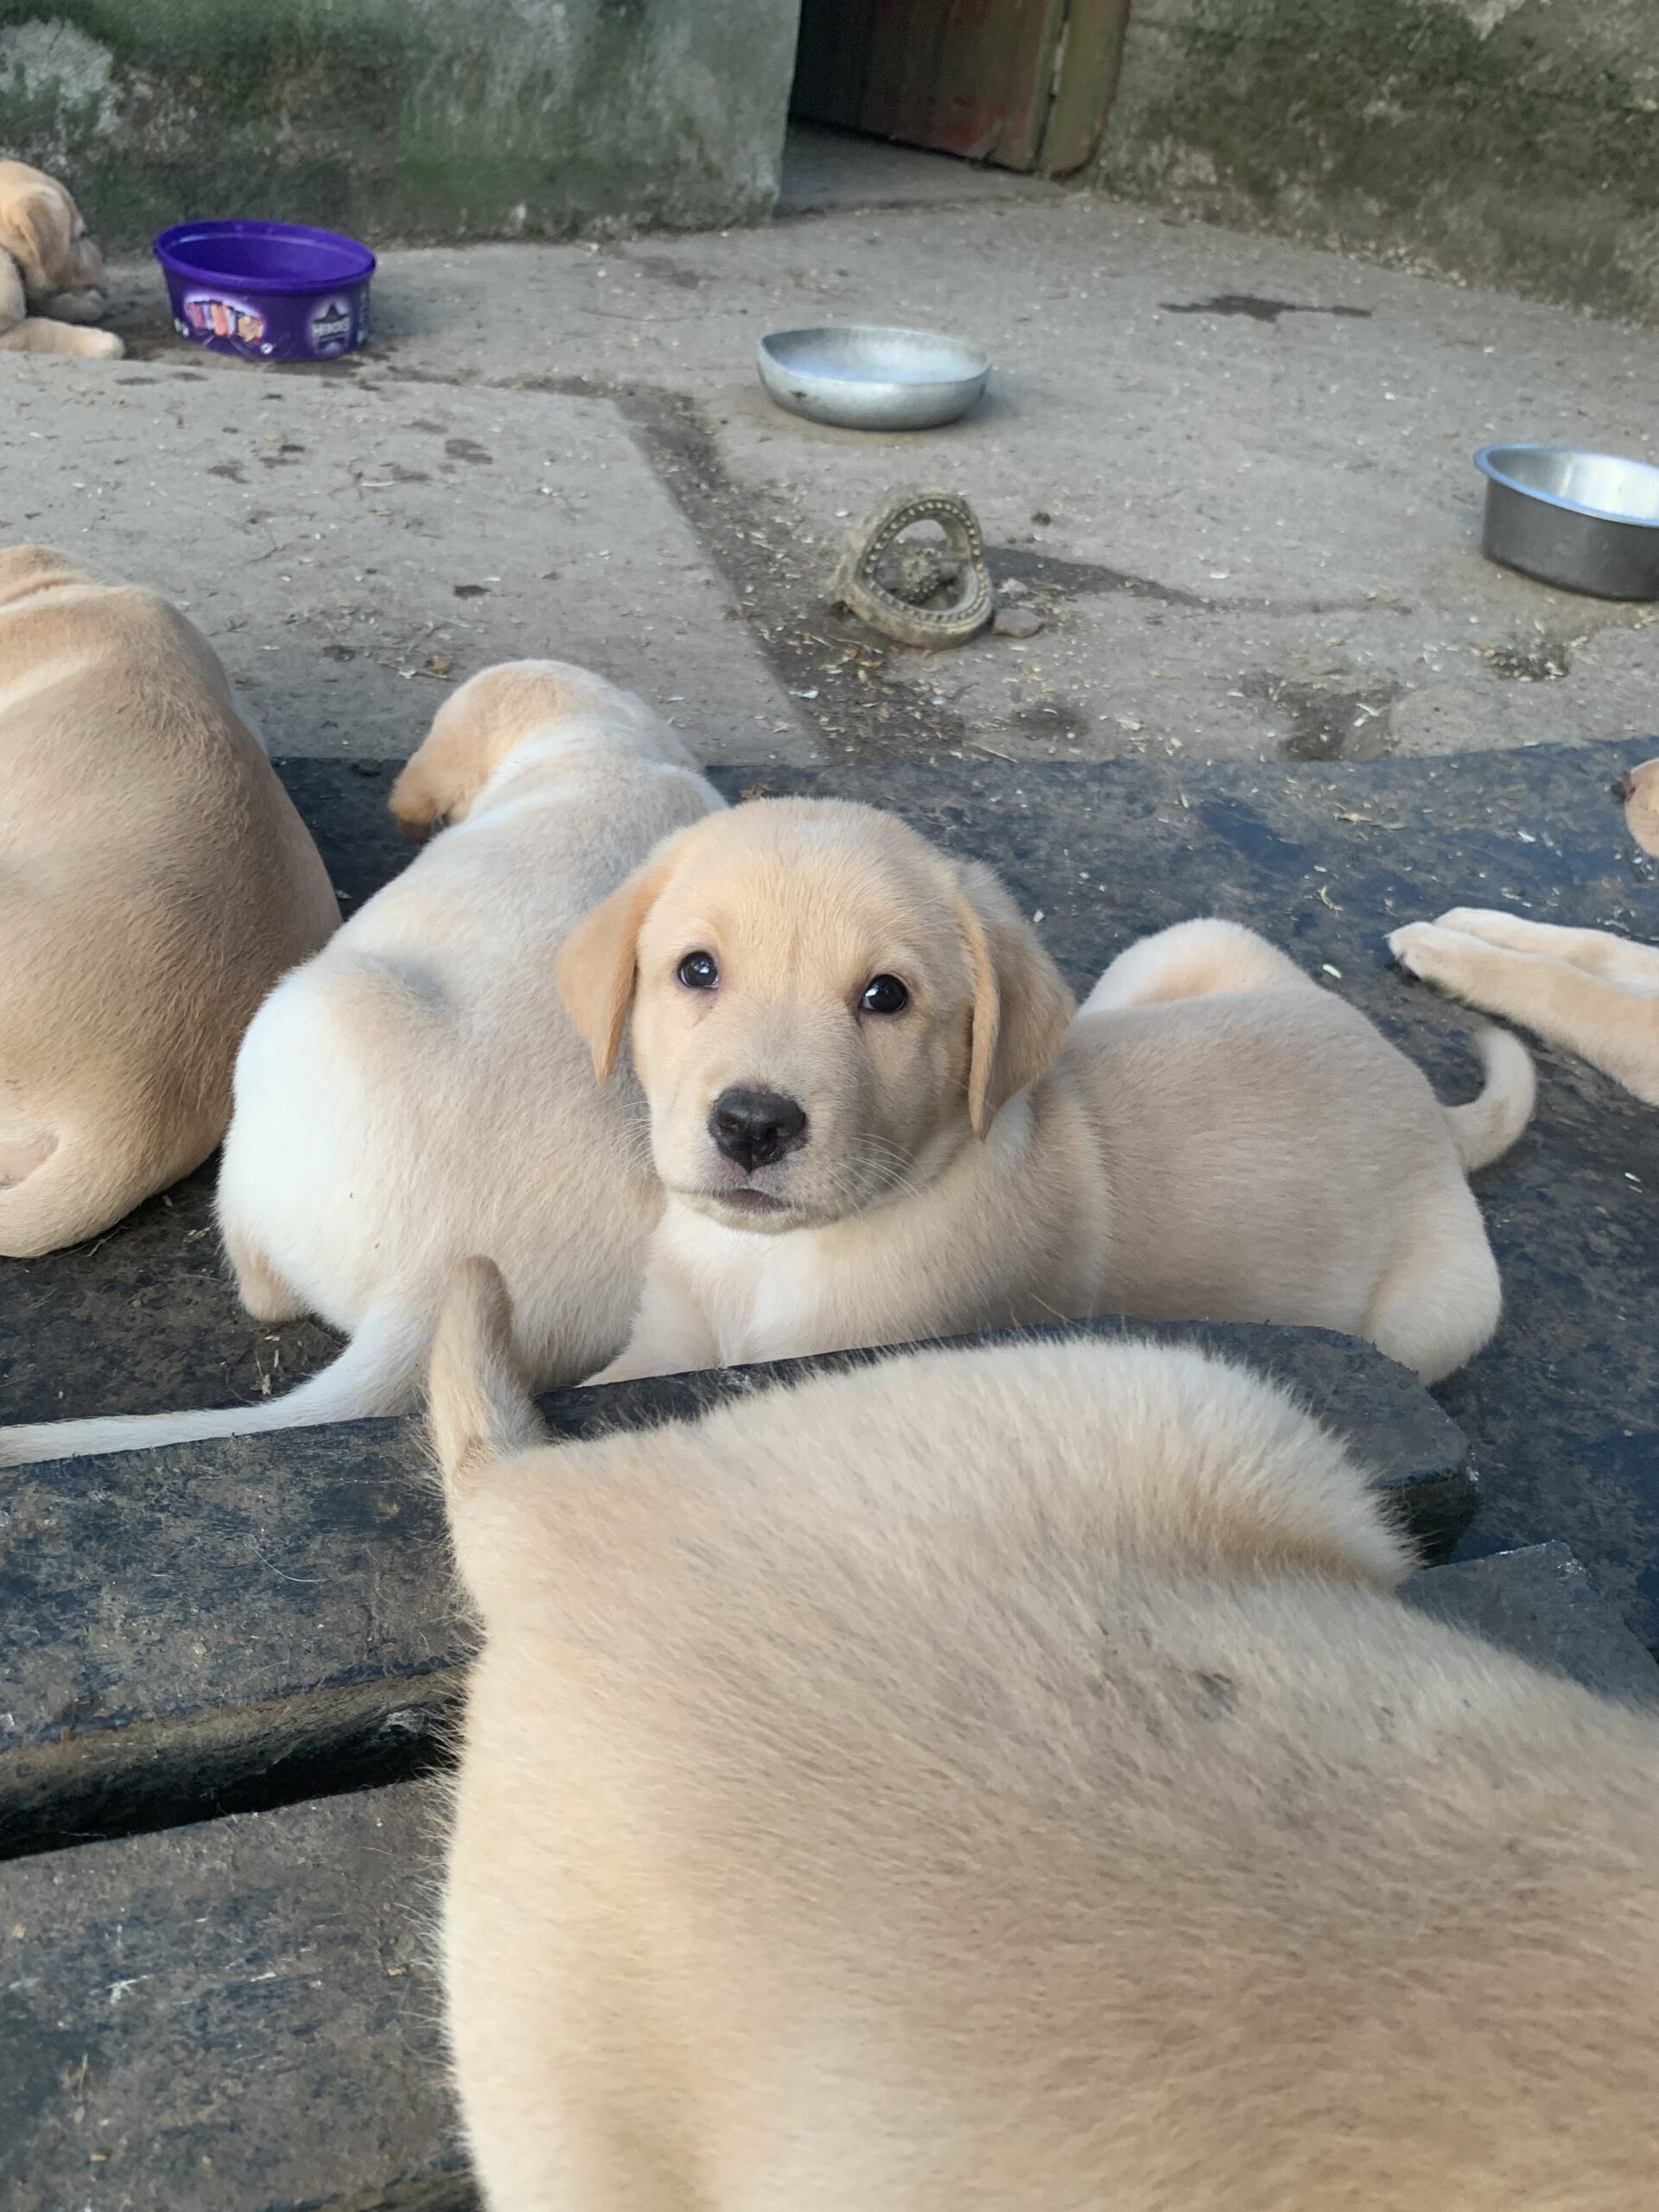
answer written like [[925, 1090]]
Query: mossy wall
[[402, 119], [1512, 143]]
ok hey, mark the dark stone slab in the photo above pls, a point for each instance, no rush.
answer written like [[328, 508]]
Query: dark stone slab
[[216, 1626], [1324, 857], [240, 1622], [236, 2017], [1541, 1603]]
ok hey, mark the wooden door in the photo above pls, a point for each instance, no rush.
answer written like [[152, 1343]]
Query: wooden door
[[1023, 83]]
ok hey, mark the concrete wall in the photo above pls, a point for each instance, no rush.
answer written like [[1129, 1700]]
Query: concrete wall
[[1512, 143], [402, 119]]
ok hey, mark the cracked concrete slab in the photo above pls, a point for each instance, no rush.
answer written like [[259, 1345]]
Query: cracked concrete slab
[[353, 549], [1240, 467], [1232, 475]]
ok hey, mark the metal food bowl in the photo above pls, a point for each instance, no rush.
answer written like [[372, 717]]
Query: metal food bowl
[[1586, 521], [865, 378]]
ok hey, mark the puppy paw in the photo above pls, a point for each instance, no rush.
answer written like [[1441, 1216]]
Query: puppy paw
[[101, 346], [1492, 926], [75, 306], [1473, 921], [1433, 953]]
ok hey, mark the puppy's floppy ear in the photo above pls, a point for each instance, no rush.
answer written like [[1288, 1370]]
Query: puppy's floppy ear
[[38, 228], [1021, 1006], [26, 568], [457, 757], [596, 961]]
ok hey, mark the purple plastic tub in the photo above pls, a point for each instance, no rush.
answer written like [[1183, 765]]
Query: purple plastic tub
[[267, 291]]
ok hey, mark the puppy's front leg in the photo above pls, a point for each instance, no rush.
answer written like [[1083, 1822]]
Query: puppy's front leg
[[1615, 1030], [40, 334], [672, 1335], [1599, 952]]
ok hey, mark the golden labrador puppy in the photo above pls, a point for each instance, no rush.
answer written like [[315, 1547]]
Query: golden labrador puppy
[[1587, 990], [416, 1092], [1002, 1779], [50, 271], [155, 881], [877, 1120]]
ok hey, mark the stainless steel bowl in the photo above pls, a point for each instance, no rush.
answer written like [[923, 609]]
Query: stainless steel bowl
[[866, 378], [1586, 521]]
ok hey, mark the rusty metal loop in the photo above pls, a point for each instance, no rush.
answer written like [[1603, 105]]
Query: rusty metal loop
[[860, 584]]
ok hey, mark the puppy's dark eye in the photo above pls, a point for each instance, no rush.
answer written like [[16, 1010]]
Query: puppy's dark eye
[[697, 971], [885, 994]]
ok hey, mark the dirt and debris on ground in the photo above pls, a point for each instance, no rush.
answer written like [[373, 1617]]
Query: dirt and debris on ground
[[1231, 476]]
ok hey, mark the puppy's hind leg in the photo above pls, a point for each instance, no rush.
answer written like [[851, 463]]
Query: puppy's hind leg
[[1194, 960], [479, 1408], [1440, 1300], [261, 1289], [59, 1188]]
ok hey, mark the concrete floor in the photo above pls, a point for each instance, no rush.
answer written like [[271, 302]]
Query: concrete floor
[[828, 171], [1233, 475]]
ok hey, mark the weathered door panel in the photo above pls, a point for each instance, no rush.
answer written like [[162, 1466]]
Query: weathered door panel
[[1085, 83], [972, 77]]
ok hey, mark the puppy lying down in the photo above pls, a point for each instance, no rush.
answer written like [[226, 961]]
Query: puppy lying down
[[50, 271], [1589, 991], [416, 1092], [1002, 1779], [877, 1118], [155, 882]]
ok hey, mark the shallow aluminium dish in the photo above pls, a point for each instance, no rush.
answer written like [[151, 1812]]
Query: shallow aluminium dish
[[1586, 521], [267, 291], [865, 376]]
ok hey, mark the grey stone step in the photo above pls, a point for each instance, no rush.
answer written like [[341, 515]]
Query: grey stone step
[[212, 1626], [1541, 1603], [238, 2016]]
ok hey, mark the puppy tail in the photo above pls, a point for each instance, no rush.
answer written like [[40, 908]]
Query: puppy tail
[[376, 1373], [1489, 1125], [479, 1405]]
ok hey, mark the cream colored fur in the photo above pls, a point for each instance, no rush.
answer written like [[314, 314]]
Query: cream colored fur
[[1640, 792], [1587, 990], [1212, 1137], [417, 1092], [1002, 1779], [50, 271], [155, 881]]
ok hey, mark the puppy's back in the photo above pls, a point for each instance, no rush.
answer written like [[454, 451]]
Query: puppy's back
[[135, 790], [154, 880], [419, 1089], [925, 1824]]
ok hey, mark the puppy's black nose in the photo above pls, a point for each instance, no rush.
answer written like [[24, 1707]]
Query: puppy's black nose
[[755, 1127]]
